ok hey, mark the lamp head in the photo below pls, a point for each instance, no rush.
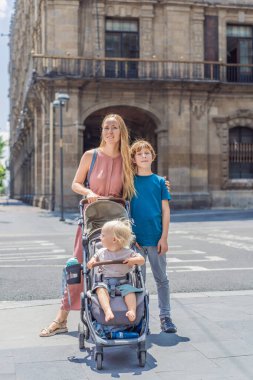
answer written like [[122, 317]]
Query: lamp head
[[62, 97]]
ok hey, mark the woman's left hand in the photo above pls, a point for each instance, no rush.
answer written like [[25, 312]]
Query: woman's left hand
[[167, 183]]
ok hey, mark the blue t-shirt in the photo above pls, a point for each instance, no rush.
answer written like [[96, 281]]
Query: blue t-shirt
[[146, 208]]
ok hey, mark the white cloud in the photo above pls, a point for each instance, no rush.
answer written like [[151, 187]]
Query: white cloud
[[3, 8]]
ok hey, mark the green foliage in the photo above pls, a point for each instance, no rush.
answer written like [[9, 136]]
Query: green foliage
[[2, 168], [2, 177], [2, 145]]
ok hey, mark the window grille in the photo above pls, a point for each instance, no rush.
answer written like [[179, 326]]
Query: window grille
[[241, 153]]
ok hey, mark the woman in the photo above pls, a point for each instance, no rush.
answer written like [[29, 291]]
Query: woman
[[111, 176]]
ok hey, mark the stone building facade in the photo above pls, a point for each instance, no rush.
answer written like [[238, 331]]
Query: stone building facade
[[179, 72]]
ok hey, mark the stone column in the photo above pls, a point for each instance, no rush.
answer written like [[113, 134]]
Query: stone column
[[98, 15], [199, 151], [61, 21], [179, 150], [37, 157], [146, 31], [197, 34]]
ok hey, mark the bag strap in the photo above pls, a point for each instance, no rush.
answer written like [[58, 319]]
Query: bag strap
[[94, 157]]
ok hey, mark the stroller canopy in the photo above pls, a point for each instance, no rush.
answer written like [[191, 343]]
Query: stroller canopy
[[98, 213]]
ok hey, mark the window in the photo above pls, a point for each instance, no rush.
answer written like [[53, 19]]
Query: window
[[241, 153], [122, 41], [239, 51]]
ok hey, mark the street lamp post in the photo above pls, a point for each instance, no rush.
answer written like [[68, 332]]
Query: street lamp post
[[60, 101]]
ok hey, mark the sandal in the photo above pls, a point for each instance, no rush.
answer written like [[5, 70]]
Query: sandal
[[62, 328]]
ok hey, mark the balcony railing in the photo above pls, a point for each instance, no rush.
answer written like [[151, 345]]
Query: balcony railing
[[140, 69]]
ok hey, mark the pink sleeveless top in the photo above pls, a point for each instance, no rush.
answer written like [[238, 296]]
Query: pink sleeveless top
[[106, 176]]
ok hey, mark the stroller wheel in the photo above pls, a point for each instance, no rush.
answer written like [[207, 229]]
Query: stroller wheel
[[99, 360], [142, 358], [81, 335], [81, 341]]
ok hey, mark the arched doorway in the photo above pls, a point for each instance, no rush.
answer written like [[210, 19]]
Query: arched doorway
[[138, 122]]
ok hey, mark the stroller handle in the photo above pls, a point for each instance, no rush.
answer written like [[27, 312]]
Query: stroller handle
[[117, 200], [107, 262]]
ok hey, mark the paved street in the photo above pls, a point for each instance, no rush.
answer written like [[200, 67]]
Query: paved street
[[209, 250]]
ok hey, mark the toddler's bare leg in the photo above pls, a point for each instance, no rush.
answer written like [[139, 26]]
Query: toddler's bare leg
[[104, 300], [130, 300]]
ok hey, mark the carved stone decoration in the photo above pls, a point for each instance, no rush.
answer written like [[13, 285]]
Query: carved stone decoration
[[198, 108], [241, 118]]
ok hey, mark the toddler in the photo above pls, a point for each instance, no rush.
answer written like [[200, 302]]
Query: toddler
[[116, 237]]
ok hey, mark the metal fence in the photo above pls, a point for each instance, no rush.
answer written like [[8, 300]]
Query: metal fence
[[120, 68]]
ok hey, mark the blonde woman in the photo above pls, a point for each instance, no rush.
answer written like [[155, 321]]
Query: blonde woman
[[111, 176]]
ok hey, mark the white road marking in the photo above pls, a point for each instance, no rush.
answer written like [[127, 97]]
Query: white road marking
[[216, 240], [186, 252], [206, 258], [56, 257], [32, 247], [18, 254], [33, 266], [29, 242], [200, 269], [29, 251]]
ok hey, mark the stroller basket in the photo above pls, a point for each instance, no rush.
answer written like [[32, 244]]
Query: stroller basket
[[73, 274]]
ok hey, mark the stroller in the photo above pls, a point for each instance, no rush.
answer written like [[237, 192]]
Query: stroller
[[93, 323]]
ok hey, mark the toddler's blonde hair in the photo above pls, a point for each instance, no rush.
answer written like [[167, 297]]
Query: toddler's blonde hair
[[121, 230]]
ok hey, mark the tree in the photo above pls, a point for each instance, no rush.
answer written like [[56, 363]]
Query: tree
[[2, 145], [2, 168]]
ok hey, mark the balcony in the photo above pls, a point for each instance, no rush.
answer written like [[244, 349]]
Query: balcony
[[53, 67]]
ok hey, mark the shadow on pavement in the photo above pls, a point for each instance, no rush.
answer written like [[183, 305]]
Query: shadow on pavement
[[166, 340], [116, 361]]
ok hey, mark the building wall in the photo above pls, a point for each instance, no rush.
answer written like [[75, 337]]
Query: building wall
[[190, 119]]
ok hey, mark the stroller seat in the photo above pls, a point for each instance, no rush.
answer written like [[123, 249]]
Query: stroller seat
[[119, 310]]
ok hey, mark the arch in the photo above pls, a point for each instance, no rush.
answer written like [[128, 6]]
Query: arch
[[139, 106], [141, 123]]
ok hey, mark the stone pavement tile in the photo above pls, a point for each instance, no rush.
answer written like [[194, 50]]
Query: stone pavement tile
[[220, 312], [33, 319], [221, 348], [7, 366], [44, 354], [203, 331], [243, 329], [179, 375], [242, 300], [50, 370], [183, 361], [238, 368], [8, 376]]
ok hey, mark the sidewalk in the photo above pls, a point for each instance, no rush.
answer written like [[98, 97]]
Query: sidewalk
[[214, 342]]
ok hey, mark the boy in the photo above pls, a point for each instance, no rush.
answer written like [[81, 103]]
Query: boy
[[151, 214]]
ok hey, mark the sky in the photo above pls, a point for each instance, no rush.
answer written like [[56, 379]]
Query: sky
[[6, 7]]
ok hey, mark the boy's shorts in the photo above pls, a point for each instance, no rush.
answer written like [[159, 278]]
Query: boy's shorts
[[116, 285]]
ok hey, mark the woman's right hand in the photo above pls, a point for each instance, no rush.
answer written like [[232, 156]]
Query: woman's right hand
[[92, 197]]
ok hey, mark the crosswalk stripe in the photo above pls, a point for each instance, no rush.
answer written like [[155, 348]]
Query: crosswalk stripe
[[17, 254]]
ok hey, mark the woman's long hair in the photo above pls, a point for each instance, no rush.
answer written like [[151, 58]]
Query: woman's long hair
[[128, 177]]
